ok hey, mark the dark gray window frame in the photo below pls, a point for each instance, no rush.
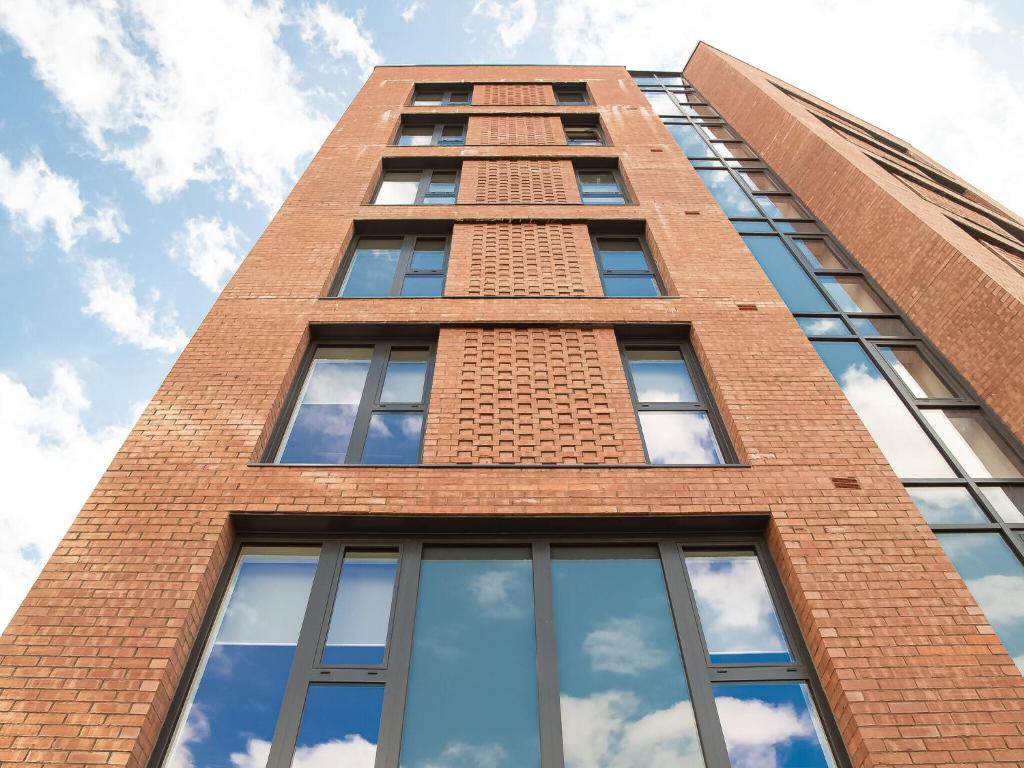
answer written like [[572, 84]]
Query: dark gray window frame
[[369, 401], [579, 168], [446, 95], [423, 191], [393, 674], [705, 401], [577, 88], [651, 271], [601, 141], [437, 138], [402, 270]]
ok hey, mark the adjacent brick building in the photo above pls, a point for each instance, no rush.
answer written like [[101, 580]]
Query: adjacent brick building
[[567, 416]]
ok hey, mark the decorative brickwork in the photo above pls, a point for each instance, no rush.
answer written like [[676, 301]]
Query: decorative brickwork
[[518, 182], [522, 259], [531, 396], [515, 130], [513, 95]]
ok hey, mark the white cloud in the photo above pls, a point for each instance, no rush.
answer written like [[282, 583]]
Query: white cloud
[[515, 18], [411, 10], [754, 729], [36, 198], [500, 594], [38, 436], [351, 752], [459, 754], [191, 91], [621, 646], [111, 294], [342, 35], [211, 248], [909, 85], [1001, 596]]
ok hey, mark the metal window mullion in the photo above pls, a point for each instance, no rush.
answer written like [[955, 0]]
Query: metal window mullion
[[367, 401], [318, 607], [435, 137], [421, 191], [548, 685], [402, 267]]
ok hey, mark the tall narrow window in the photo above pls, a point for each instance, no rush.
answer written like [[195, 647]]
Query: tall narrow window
[[600, 187], [625, 267], [419, 187], [360, 405], [676, 421], [413, 265]]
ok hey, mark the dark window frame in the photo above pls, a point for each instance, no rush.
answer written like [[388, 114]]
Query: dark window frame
[[651, 270], [307, 668], [437, 136], [403, 268], [446, 95], [369, 400], [575, 88], [600, 139], [705, 400], [619, 182], [423, 190]]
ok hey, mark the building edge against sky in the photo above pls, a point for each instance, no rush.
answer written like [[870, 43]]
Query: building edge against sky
[[533, 380]]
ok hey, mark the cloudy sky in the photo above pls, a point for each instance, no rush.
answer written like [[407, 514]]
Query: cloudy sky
[[144, 146]]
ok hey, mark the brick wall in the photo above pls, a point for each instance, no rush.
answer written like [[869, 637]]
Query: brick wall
[[513, 95], [512, 130], [518, 182]]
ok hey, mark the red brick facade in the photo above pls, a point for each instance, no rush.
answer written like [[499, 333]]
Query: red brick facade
[[913, 672]]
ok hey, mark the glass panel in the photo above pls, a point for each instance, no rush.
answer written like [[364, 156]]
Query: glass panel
[[736, 611], [590, 198], [852, 294], [322, 423], [630, 285], [759, 181], [340, 728], [428, 254], [567, 96], [398, 188], [621, 255], [428, 98], [735, 149], [718, 133], [362, 609], [671, 80], [782, 208], [996, 579], [914, 371], [689, 140], [661, 103], [459, 97], [728, 193], [416, 135], [823, 326], [235, 704], [799, 227], [908, 449], [453, 135], [405, 376], [1007, 501], [819, 254], [624, 698], [940, 506], [703, 110], [474, 624], [880, 326], [679, 437], [752, 226], [970, 438], [645, 80], [794, 285], [393, 438], [772, 724], [660, 376], [373, 267], [599, 181], [422, 285], [442, 181]]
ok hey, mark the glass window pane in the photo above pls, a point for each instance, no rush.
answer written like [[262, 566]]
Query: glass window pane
[[1007, 501], [322, 423], [422, 285], [884, 326], [679, 437], [570, 96], [772, 724], [474, 623], [623, 693], [358, 632], [603, 199], [980, 451], [405, 376], [428, 97], [393, 438], [799, 227], [996, 579], [736, 149], [661, 103], [439, 200], [373, 267], [398, 188], [689, 140], [459, 97], [752, 226], [819, 254], [632, 285], [781, 208], [428, 254], [621, 255], [340, 728], [759, 181], [794, 285], [915, 372], [660, 376], [728, 193], [736, 611], [442, 181], [718, 133], [908, 449], [416, 135], [852, 294], [940, 506], [234, 705], [823, 326]]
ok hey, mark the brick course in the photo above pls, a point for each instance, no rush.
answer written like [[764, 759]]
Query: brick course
[[513, 130]]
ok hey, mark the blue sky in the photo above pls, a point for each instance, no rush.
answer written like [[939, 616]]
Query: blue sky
[[145, 145]]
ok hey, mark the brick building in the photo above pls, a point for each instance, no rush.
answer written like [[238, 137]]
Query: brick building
[[567, 416]]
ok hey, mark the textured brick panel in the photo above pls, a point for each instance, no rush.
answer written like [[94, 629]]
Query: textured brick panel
[[530, 396], [518, 182], [522, 259], [524, 130], [513, 95]]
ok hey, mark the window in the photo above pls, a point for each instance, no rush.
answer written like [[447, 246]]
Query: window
[[677, 423], [360, 404], [587, 650], [433, 186], [395, 266], [431, 134], [583, 135], [625, 267], [441, 97], [600, 187], [571, 95]]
